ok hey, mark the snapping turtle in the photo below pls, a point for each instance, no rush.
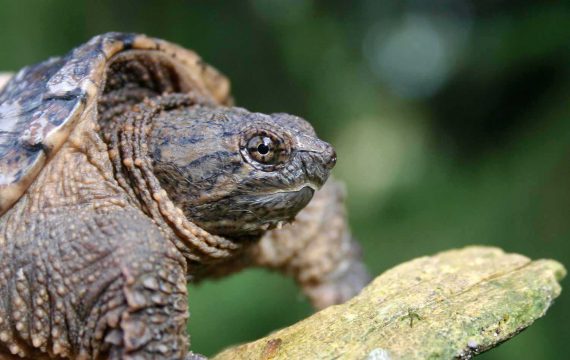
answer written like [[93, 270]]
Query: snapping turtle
[[125, 172]]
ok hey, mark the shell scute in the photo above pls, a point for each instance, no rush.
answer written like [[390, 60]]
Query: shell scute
[[39, 105], [42, 103]]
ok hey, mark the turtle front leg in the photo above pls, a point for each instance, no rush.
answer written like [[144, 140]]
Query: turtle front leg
[[147, 318], [98, 284], [318, 250], [152, 324]]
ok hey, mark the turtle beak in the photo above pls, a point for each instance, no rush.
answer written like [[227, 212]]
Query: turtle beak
[[318, 161], [330, 158]]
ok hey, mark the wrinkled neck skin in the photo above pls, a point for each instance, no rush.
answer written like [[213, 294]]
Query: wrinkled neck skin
[[125, 128]]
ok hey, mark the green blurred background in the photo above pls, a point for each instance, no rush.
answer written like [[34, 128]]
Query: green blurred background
[[451, 120]]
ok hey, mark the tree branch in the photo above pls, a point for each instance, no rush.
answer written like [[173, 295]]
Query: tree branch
[[455, 304]]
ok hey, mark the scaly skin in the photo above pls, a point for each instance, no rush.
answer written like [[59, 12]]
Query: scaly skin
[[95, 270], [95, 256], [86, 273]]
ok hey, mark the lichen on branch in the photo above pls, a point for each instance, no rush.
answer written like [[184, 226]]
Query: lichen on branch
[[455, 304]]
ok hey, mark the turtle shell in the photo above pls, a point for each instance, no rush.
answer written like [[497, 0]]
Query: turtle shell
[[41, 104]]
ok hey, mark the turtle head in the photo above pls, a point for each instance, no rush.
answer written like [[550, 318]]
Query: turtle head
[[237, 173]]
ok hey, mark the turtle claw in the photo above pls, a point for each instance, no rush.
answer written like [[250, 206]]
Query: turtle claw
[[193, 356]]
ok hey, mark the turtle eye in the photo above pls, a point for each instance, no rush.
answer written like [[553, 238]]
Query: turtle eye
[[265, 151], [262, 149]]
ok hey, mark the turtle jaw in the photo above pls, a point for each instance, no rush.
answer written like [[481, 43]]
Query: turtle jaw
[[290, 203], [250, 215]]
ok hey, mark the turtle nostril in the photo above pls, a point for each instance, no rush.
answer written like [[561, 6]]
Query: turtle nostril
[[331, 161]]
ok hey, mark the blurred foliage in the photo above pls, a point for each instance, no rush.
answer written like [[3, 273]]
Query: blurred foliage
[[450, 118]]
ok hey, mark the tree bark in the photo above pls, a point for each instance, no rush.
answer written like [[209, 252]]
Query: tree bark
[[455, 304]]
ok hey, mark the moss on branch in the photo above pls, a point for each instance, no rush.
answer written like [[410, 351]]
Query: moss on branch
[[454, 304]]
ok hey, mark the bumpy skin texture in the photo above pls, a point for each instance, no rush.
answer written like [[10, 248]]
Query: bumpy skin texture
[[95, 255]]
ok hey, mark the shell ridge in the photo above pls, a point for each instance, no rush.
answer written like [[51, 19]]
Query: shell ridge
[[35, 107], [41, 104]]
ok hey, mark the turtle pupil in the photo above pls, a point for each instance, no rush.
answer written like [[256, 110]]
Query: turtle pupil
[[263, 149]]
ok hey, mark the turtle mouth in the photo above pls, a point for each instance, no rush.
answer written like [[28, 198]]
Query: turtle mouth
[[278, 208], [286, 198], [247, 215], [287, 205], [306, 186]]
